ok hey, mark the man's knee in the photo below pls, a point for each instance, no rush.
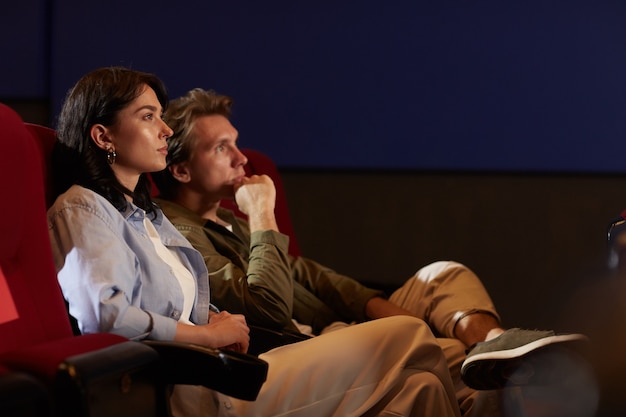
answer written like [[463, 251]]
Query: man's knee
[[440, 269]]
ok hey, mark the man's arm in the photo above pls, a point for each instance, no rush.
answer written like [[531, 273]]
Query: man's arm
[[378, 307], [347, 297], [259, 287]]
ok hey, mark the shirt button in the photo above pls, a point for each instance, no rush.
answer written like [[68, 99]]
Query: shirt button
[[137, 214], [176, 314]]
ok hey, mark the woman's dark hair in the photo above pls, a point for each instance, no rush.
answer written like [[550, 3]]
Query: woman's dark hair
[[97, 98]]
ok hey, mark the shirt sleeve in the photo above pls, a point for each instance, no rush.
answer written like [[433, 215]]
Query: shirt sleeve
[[99, 276]]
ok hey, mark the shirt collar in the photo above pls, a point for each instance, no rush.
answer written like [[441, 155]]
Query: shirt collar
[[131, 210]]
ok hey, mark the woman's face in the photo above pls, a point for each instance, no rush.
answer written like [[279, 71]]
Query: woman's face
[[138, 138]]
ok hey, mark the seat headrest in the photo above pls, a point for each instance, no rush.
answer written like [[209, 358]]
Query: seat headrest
[[20, 178]]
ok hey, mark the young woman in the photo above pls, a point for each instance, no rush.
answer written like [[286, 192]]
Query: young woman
[[125, 269]]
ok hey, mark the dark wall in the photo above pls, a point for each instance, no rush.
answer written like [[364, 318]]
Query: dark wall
[[25, 50], [529, 85], [536, 241]]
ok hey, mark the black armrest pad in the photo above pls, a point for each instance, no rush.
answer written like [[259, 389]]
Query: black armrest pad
[[23, 395], [119, 358], [110, 379], [231, 373], [263, 339]]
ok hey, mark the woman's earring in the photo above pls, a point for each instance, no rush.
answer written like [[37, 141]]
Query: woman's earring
[[111, 156]]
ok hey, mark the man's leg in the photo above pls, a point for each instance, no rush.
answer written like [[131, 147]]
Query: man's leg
[[444, 293], [472, 403], [453, 301]]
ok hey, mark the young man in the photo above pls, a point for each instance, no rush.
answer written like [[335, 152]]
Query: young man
[[251, 272]]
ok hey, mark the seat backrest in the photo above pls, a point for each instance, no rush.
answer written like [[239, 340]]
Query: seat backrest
[[44, 138], [25, 253]]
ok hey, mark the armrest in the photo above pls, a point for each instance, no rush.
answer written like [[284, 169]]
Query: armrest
[[115, 380], [263, 339], [231, 373], [99, 374], [23, 395]]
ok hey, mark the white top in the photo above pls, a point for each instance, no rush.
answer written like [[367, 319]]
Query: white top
[[185, 279]]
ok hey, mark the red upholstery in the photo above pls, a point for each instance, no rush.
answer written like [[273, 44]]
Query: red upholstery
[[25, 254], [46, 138], [41, 335], [43, 359]]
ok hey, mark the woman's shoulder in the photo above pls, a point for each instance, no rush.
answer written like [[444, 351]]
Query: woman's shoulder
[[76, 195], [81, 198]]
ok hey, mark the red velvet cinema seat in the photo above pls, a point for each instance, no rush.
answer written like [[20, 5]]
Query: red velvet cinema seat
[[94, 374], [35, 333]]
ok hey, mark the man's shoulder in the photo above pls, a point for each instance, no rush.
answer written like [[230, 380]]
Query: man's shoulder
[[188, 223], [178, 214]]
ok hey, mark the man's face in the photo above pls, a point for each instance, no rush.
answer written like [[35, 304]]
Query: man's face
[[216, 164]]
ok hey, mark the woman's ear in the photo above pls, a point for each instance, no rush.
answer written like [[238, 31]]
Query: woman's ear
[[100, 136], [180, 172]]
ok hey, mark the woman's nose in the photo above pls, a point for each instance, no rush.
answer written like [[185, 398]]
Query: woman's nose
[[167, 131]]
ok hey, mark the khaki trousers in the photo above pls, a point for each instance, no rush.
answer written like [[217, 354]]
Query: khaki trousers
[[441, 294], [387, 367]]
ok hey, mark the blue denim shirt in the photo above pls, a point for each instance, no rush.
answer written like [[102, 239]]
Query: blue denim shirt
[[109, 270]]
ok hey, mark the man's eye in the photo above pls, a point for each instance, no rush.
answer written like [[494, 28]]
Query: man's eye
[[220, 148]]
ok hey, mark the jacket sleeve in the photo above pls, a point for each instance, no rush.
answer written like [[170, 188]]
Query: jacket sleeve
[[259, 287], [344, 295]]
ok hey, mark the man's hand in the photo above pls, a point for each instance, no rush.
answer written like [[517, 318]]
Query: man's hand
[[255, 193], [256, 197]]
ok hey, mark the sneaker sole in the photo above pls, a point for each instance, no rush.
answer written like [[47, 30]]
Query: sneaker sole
[[510, 367]]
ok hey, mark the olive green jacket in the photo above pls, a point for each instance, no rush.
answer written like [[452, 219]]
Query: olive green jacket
[[252, 274]]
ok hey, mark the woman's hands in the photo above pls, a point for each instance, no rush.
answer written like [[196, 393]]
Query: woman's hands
[[224, 330], [229, 331]]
